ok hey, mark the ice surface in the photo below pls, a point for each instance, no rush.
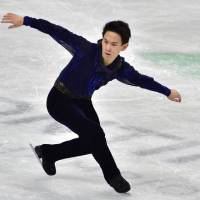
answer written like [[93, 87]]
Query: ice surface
[[156, 142]]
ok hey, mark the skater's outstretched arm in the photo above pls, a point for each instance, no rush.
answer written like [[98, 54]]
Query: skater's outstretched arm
[[130, 76], [72, 42]]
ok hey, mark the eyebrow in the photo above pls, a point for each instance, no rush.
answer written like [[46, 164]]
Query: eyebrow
[[112, 42]]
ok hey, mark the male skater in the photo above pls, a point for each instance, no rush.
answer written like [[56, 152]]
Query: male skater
[[69, 101]]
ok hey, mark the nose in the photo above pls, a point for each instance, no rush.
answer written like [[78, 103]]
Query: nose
[[108, 48]]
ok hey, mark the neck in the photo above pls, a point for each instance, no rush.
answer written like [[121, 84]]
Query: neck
[[107, 62]]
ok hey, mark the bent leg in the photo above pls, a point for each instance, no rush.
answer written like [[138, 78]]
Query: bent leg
[[75, 115]]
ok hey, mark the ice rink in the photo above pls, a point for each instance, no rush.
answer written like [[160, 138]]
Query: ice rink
[[155, 142]]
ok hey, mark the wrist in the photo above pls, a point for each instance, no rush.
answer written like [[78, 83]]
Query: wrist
[[169, 92], [25, 20], [21, 20]]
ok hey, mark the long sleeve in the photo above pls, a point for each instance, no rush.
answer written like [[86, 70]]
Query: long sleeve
[[130, 76], [70, 41]]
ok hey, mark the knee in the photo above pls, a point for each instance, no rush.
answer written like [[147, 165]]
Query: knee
[[96, 138], [96, 133]]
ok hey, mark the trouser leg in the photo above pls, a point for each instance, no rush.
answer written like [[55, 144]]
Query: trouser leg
[[81, 118]]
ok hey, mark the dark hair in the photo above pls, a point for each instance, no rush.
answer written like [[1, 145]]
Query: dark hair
[[120, 27]]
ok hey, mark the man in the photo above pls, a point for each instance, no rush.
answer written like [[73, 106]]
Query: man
[[69, 101]]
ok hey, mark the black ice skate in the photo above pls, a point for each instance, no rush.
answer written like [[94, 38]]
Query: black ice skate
[[49, 167], [120, 184]]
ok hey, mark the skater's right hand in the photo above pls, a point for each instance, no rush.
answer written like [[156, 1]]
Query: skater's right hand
[[13, 19]]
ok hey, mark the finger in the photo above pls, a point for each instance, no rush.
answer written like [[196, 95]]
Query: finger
[[6, 16], [176, 100], [5, 21], [179, 97], [9, 14]]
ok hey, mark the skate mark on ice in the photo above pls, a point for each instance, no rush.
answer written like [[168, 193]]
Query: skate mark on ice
[[168, 148], [26, 120], [20, 106], [13, 150], [185, 159], [148, 132], [178, 186], [109, 123], [139, 132], [55, 127], [147, 182]]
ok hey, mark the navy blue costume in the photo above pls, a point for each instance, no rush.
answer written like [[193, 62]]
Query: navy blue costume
[[69, 101]]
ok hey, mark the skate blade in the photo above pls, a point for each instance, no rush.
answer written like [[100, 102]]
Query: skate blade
[[33, 149]]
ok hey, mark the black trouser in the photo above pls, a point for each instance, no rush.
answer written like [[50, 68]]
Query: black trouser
[[79, 116]]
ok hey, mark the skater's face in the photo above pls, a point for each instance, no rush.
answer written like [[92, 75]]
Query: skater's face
[[112, 46]]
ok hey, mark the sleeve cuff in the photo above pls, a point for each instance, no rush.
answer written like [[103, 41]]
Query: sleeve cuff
[[167, 91], [26, 21]]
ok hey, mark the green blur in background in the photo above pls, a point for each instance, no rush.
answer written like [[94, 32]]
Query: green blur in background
[[184, 64]]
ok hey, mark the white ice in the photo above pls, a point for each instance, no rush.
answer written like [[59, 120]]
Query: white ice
[[156, 142]]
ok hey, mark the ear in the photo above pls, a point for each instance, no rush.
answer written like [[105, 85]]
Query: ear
[[124, 46]]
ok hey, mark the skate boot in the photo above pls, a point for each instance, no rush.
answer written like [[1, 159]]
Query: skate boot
[[49, 167], [120, 184]]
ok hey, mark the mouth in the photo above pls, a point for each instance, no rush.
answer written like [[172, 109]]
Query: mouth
[[108, 54]]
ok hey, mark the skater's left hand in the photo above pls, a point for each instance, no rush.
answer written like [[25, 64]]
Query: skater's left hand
[[174, 96]]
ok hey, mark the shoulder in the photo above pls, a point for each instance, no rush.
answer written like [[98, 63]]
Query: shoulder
[[124, 63]]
